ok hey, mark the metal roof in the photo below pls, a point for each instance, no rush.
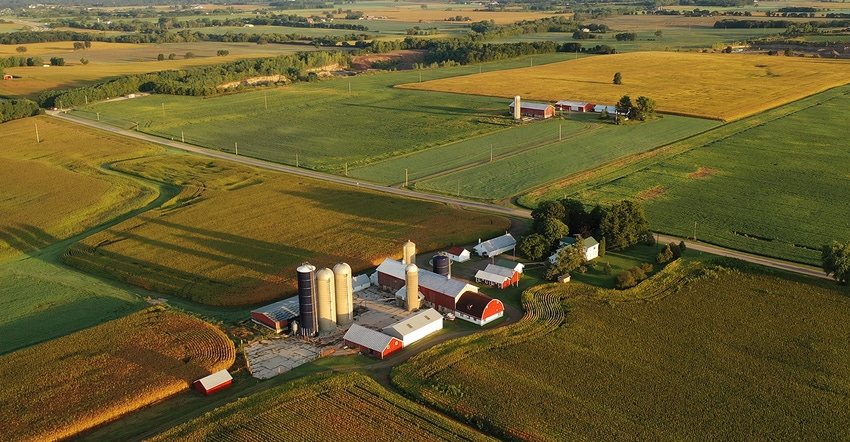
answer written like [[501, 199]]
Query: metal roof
[[536, 106], [588, 242], [413, 323], [497, 243], [371, 339], [491, 277], [361, 280], [427, 279], [473, 304], [215, 379], [572, 103], [281, 310], [499, 270], [457, 251], [510, 264]]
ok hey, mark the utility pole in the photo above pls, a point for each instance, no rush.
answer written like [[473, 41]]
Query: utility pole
[[532, 61], [266, 99], [236, 147], [346, 169], [695, 231], [37, 139], [458, 187], [87, 100], [296, 159], [182, 138], [559, 132], [349, 87], [98, 116], [163, 112], [420, 77], [491, 152]]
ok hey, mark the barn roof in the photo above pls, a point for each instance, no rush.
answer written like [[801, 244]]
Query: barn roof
[[500, 242], [588, 242], [361, 280], [535, 106], [457, 251], [371, 339], [473, 304], [484, 275], [499, 270], [413, 323], [427, 279], [215, 379], [572, 103], [510, 264], [281, 310]]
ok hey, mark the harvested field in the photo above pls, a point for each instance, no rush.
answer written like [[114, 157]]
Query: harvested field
[[698, 352], [343, 407], [235, 235], [61, 388], [702, 85], [398, 59]]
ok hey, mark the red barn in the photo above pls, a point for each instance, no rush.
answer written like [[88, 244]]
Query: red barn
[[574, 106], [214, 382], [438, 290], [7, 77], [277, 316], [371, 342], [537, 110], [479, 308], [497, 276]]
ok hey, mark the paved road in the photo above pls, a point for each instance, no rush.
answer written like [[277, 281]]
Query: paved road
[[777, 264]]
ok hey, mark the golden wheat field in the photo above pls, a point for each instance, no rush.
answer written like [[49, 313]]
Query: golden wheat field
[[60, 388], [718, 86], [235, 235], [53, 189]]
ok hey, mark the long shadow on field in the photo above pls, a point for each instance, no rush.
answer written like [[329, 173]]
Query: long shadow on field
[[441, 110], [26, 238], [55, 319]]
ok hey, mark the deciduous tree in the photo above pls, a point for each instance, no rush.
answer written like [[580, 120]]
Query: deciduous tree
[[836, 261], [618, 78], [533, 246]]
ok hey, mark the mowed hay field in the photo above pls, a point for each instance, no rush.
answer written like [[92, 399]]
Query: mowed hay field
[[707, 353], [53, 190], [774, 184], [235, 235], [61, 388], [717, 86], [340, 407]]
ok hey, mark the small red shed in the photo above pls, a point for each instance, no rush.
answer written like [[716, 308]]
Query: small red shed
[[214, 382], [371, 342], [7, 77]]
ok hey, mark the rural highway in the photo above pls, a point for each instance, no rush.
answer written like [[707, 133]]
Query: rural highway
[[777, 264]]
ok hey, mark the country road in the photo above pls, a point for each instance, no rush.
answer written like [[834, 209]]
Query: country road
[[768, 262]]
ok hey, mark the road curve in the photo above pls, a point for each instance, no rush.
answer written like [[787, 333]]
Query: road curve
[[774, 263]]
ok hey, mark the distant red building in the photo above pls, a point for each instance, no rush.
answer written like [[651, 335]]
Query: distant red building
[[537, 110], [214, 382]]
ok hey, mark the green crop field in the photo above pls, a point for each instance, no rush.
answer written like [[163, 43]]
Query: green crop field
[[531, 169], [342, 407], [61, 388], [773, 184], [235, 234], [698, 352]]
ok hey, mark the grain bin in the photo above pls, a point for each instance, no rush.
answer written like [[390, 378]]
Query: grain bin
[[411, 280], [306, 300], [326, 300], [344, 293], [409, 249], [441, 265]]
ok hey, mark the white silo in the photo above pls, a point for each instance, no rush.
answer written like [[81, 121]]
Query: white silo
[[344, 294], [409, 250], [411, 281], [326, 300], [517, 108]]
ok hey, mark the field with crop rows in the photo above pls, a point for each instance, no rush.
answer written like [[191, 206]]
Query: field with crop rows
[[340, 407], [235, 235], [699, 352], [53, 192], [702, 85], [530, 169], [774, 184], [58, 389]]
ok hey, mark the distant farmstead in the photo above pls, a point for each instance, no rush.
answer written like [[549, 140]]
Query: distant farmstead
[[537, 110]]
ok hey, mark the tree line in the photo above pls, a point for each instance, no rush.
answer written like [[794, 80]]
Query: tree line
[[17, 108]]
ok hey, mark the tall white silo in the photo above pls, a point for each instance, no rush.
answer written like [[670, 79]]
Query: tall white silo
[[344, 293], [517, 108], [409, 251], [326, 300], [411, 281]]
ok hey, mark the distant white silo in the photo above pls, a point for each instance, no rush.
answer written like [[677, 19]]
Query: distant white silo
[[326, 300], [517, 108], [344, 294], [411, 281], [409, 253]]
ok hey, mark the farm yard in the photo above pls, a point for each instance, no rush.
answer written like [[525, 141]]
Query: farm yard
[[773, 184], [697, 353], [235, 235], [99, 374], [711, 91], [345, 407]]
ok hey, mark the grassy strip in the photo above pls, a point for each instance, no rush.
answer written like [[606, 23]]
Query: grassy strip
[[99, 374]]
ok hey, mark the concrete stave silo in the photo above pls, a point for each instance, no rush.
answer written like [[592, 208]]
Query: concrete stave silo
[[307, 300], [344, 294], [517, 108], [326, 300], [409, 253], [411, 281]]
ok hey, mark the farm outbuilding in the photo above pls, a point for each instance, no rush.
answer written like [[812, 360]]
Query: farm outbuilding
[[438, 290], [574, 106], [495, 246], [458, 254], [277, 316], [7, 77], [214, 382], [537, 110], [371, 342], [479, 308], [416, 327], [516, 266], [360, 282], [496, 276]]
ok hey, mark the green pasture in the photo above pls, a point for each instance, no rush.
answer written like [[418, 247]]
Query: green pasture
[[321, 125], [774, 184], [471, 151], [531, 169]]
